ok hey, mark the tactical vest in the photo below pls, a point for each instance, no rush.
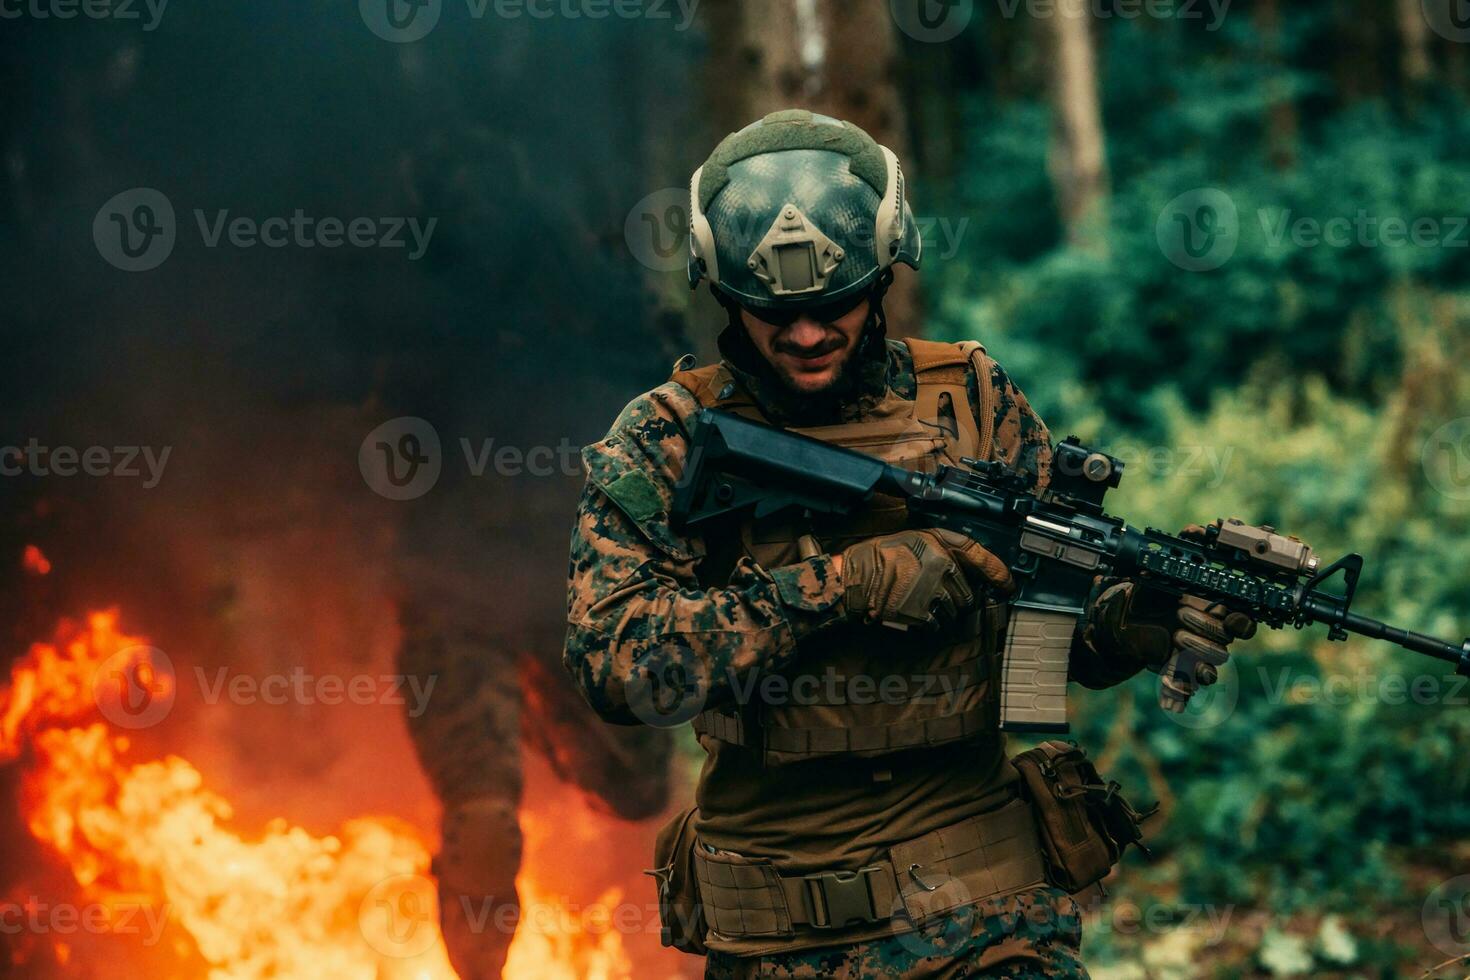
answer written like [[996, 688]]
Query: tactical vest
[[867, 690]]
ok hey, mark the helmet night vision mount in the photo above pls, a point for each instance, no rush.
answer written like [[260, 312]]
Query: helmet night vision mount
[[798, 207]]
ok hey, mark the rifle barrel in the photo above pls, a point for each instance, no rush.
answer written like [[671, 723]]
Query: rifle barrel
[[1324, 611]]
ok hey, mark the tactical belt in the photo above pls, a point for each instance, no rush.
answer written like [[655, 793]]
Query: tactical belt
[[986, 856], [733, 728]]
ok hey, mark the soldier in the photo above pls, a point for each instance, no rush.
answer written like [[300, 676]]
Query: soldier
[[851, 821]]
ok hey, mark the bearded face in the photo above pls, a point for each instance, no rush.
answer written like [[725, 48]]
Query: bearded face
[[810, 357]]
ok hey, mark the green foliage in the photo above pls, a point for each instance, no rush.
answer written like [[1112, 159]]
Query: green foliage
[[1133, 317], [1297, 384]]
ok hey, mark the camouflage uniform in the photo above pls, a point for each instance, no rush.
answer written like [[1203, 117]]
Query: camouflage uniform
[[634, 595], [1030, 936], [637, 607]]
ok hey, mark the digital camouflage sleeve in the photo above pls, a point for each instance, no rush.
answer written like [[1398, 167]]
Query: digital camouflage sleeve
[[634, 600]]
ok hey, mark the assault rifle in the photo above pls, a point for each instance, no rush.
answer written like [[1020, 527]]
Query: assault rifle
[[1055, 542]]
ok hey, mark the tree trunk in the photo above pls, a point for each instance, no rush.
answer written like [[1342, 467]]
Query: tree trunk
[[755, 64], [1078, 157], [1359, 29], [857, 80], [1414, 43], [1281, 117]]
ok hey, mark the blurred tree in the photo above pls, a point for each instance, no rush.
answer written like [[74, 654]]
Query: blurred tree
[[1414, 40], [1078, 159], [1281, 118]]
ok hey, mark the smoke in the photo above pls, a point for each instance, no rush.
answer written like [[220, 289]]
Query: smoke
[[261, 550]]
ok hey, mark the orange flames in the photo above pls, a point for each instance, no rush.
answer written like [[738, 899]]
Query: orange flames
[[148, 843], [34, 561]]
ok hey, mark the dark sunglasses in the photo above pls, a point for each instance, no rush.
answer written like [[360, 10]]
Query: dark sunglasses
[[785, 316]]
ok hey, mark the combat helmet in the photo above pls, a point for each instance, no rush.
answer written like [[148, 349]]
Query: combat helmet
[[796, 210]]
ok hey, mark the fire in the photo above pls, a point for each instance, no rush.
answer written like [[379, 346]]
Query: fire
[[150, 836], [35, 561], [555, 944]]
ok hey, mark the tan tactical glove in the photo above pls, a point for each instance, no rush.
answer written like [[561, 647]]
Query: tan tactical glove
[[1186, 639], [918, 578]]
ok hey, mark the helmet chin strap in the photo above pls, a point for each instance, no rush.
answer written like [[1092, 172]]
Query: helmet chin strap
[[875, 330]]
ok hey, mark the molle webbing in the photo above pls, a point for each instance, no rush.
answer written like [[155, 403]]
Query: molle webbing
[[986, 856], [938, 425], [865, 739], [941, 371]]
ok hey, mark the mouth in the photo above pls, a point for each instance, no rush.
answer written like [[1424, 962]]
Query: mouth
[[810, 362]]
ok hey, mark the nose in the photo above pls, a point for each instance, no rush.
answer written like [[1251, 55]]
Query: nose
[[806, 332]]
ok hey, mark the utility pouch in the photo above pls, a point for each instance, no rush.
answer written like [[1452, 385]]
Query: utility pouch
[[680, 913], [1084, 823]]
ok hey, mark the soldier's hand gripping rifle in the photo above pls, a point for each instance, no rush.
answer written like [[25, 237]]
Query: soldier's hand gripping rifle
[[1055, 542]]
